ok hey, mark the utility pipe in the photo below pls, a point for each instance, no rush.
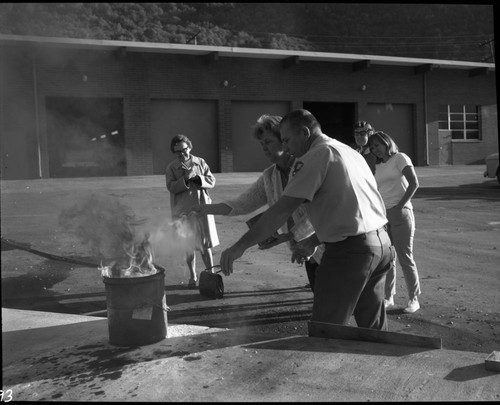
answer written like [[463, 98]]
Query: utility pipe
[[424, 81], [37, 123]]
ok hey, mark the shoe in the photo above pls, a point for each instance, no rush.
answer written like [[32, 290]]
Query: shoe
[[192, 283], [389, 303], [413, 306]]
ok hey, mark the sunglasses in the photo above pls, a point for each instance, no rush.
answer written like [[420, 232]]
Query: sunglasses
[[362, 133]]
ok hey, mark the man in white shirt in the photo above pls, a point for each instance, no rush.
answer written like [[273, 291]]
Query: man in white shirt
[[340, 195]]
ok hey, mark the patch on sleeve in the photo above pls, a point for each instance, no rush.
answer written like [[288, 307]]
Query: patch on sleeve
[[297, 167]]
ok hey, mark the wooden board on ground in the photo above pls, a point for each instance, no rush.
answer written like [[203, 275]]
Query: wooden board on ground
[[334, 331], [492, 362]]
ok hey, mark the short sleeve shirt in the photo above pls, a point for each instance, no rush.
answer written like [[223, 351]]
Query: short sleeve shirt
[[392, 183], [340, 191]]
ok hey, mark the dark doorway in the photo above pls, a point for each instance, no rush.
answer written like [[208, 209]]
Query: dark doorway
[[336, 119], [85, 137]]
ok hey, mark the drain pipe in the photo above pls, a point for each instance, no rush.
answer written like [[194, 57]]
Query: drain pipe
[[424, 82], [37, 123], [2, 98]]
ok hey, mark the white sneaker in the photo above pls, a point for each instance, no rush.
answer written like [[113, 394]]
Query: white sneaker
[[413, 306], [390, 302]]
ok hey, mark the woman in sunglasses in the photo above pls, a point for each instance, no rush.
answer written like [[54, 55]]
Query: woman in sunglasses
[[188, 180]]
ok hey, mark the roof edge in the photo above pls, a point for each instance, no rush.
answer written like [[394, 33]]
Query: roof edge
[[158, 47]]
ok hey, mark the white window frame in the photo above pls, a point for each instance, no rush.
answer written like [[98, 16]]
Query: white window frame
[[461, 117]]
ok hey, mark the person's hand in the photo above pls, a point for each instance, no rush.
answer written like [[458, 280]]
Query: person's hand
[[227, 258], [189, 174], [297, 258], [397, 207], [303, 250]]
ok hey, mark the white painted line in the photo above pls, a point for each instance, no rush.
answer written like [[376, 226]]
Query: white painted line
[[32, 215]]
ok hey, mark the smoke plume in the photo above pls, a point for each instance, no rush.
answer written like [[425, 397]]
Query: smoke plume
[[104, 224], [110, 229]]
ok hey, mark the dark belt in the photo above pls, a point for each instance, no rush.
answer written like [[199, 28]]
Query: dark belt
[[361, 236]]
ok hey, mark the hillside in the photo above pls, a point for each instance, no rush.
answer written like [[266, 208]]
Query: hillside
[[438, 31]]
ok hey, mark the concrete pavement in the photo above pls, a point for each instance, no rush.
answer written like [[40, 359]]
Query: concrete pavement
[[60, 357]]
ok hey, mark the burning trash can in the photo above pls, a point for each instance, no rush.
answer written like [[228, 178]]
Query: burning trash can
[[135, 299], [136, 309], [135, 286]]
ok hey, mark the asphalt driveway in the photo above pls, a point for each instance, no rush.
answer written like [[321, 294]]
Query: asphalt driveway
[[456, 248]]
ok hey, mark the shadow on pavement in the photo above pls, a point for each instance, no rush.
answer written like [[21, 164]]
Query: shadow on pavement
[[305, 343], [489, 190], [32, 292], [468, 373], [239, 316]]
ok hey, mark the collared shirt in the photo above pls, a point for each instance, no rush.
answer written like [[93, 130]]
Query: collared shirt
[[284, 174], [341, 192], [267, 190]]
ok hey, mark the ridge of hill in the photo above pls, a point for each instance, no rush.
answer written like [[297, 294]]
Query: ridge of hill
[[436, 31]]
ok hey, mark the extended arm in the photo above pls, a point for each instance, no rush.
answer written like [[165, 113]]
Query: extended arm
[[250, 200], [212, 209], [273, 218]]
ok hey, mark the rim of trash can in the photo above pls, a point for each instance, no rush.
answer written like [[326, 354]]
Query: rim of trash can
[[134, 280]]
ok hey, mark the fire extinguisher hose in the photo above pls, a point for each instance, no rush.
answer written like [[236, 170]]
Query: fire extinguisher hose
[[10, 244]]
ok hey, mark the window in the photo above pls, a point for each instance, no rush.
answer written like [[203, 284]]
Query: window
[[461, 120]]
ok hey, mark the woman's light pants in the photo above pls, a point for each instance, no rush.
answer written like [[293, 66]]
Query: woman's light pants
[[401, 230]]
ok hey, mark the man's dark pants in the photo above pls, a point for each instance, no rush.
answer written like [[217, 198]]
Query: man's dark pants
[[351, 280]]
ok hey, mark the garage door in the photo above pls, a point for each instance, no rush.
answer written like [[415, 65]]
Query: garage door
[[85, 136], [396, 120], [197, 119]]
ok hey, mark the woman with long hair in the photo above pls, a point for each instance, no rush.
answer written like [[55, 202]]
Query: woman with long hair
[[397, 183]]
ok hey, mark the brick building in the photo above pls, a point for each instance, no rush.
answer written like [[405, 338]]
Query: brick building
[[75, 108]]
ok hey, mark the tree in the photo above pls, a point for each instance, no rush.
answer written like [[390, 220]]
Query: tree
[[438, 31]]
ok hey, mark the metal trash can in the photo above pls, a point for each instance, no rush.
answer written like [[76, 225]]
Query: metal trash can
[[136, 309]]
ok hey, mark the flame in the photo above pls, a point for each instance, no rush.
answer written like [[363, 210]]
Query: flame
[[137, 258], [140, 262]]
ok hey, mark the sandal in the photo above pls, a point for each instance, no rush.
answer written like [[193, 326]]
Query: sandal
[[192, 283]]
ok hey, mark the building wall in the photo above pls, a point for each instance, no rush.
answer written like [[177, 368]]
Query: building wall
[[456, 87], [140, 78]]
